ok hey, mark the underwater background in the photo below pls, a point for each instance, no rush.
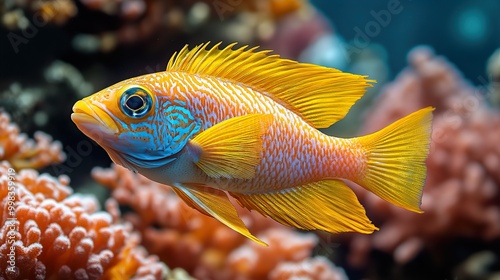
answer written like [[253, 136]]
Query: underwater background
[[79, 217]]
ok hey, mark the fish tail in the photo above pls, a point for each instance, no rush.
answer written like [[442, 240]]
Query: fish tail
[[396, 155]]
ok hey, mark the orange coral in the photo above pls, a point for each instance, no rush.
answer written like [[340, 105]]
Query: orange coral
[[461, 195], [22, 152], [48, 233], [183, 237]]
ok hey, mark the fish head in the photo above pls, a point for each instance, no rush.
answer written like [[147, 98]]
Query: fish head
[[138, 125]]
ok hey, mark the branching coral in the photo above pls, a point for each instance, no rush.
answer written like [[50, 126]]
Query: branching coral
[[48, 233], [183, 237], [22, 152], [461, 196]]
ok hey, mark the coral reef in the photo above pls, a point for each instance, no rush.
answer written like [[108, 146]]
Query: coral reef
[[293, 34], [49, 233], [23, 152], [16, 14], [60, 78], [139, 20], [461, 197], [316, 268], [183, 237], [143, 19]]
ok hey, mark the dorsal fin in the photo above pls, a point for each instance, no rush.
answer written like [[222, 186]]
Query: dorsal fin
[[320, 95]]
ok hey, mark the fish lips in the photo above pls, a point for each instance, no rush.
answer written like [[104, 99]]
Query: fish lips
[[93, 121]]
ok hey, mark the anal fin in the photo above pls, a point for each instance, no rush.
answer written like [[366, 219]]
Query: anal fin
[[214, 203], [328, 205]]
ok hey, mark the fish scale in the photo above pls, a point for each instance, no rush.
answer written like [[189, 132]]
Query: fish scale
[[289, 137]]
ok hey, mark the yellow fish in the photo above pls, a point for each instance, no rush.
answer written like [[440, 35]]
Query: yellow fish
[[244, 123]]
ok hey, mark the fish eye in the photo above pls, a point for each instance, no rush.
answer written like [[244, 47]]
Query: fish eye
[[136, 102]]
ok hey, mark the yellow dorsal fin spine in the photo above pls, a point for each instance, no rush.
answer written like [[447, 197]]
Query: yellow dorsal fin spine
[[320, 95], [202, 60], [191, 57]]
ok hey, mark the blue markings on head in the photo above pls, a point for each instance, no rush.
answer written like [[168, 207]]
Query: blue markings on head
[[149, 159], [181, 127], [156, 140]]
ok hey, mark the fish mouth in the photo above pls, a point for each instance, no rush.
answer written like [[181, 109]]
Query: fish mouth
[[93, 121]]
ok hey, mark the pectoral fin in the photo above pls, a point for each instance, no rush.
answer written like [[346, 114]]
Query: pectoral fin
[[327, 205], [232, 148], [214, 203]]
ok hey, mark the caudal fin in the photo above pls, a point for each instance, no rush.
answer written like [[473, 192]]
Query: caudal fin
[[396, 168]]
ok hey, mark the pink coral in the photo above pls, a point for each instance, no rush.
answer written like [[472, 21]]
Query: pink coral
[[22, 152], [317, 268], [48, 233], [183, 237], [461, 195]]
